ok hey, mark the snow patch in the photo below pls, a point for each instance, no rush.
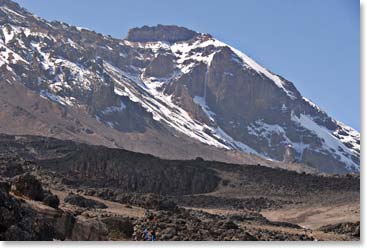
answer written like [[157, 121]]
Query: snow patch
[[201, 102], [312, 104], [113, 109], [8, 34], [11, 12], [234, 143], [184, 52], [330, 142], [265, 130], [8, 56], [261, 129]]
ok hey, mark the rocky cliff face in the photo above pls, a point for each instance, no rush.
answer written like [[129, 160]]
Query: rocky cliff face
[[168, 33], [101, 167], [161, 90], [131, 172]]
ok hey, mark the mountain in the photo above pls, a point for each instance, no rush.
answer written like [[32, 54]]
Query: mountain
[[163, 90]]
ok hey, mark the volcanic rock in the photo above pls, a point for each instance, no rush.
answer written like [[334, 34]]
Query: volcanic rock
[[168, 33], [29, 186]]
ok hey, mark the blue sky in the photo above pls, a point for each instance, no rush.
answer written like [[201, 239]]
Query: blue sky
[[313, 43]]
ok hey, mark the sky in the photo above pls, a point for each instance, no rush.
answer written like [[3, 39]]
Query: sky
[[313, 43]]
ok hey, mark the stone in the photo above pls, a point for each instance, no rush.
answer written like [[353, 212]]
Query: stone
[[51, 200], [27, 185], [122, 225], [83, 202]]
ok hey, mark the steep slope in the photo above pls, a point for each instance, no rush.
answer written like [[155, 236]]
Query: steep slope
[[164, 90]]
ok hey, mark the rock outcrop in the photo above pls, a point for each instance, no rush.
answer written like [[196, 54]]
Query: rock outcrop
[[51, 200], [186, 225], [348, 228], [161, 66], [168, 33], [83, 202], [19, 222], [27, 185], [133, 172], [119, 228]]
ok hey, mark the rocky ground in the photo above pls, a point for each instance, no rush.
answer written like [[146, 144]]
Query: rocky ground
[[115, 195]]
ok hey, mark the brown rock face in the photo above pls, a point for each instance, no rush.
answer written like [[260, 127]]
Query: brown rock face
[[238, 94], [169, 33], [103, 96], [89, 229], [161, 66]]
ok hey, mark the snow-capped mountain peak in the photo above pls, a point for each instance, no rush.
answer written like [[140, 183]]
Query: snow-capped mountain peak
[[174, 80]]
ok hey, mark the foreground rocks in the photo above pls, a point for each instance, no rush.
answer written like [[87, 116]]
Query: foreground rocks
[[11, 167], [69, 197], [51, 200], [19, 222], [119, 227], [28, 186], [351, 229], [186, 224]]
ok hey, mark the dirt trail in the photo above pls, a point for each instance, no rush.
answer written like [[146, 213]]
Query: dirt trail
[[112, 207], [313, 217]]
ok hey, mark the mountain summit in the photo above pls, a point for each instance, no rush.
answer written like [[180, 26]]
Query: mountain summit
[[164, 90], [168, 33]]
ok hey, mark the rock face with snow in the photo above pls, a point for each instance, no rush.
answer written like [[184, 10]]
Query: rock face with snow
[[165, 86]]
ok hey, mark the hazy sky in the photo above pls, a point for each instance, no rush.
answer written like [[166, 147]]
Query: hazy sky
[[313, 43]]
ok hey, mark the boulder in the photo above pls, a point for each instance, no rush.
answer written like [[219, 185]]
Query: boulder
[[89, 230], [230, 225], [119, 226], [10, 168], [153, 201], [51, 200], [83, 202], [28, 185]]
